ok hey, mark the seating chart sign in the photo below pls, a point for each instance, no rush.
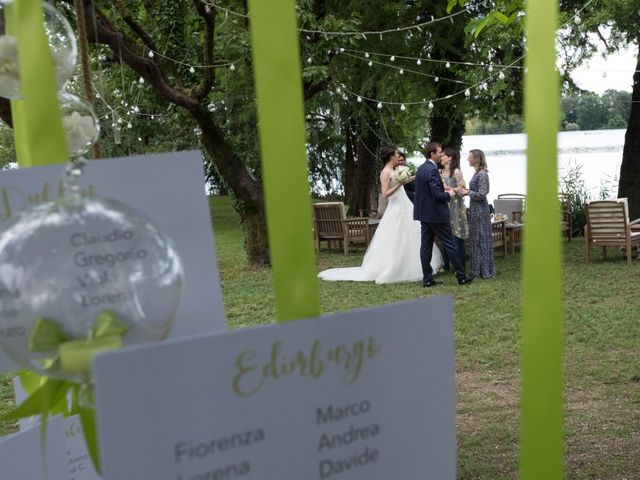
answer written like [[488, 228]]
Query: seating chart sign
[[22, 456], [368, 394], [167, 188]]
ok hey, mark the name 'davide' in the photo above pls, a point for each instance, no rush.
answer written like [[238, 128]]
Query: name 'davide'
[[252, 372]]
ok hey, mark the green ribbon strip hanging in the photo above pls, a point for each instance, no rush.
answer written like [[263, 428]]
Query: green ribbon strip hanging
[[276, 62], [541, 443], [37, 121]]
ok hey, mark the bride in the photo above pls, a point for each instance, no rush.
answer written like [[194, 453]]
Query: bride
[[394, 252]]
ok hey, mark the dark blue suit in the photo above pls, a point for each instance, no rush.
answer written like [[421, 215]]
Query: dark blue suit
[[431, 208]]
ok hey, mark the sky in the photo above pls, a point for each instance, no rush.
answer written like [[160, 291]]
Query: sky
[[618, 70]]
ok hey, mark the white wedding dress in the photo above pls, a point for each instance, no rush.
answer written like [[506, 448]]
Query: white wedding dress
[[394, 252]]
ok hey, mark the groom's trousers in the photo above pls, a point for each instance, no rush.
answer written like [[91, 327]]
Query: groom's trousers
[[443, 231]]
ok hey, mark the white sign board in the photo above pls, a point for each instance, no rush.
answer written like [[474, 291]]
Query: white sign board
[[22, 456], [169, 189], [360, 395]]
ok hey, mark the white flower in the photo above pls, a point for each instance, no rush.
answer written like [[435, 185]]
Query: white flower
[[80, 131], [402, 173], [9, 71], [63, 62]]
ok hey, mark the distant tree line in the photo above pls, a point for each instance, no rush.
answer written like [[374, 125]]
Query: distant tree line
[[579, 111]]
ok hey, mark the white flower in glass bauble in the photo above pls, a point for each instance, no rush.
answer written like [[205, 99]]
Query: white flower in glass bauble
[[62, 43], [79, 276], [80, 123]]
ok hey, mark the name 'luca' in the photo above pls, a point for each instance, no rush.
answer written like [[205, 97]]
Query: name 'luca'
[[252, 372]]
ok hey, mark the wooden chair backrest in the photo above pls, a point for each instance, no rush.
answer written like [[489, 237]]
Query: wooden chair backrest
[[607, 220], [328, 217]]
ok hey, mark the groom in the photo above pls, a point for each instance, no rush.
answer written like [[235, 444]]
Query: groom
[[431, 208]]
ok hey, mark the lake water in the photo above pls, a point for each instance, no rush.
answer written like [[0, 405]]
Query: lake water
[[597, 152]]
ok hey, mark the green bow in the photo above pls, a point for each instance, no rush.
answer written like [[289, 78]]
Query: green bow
[[74, 356]]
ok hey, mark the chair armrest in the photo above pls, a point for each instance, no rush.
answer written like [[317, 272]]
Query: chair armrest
[[367, 213], [357, 222]]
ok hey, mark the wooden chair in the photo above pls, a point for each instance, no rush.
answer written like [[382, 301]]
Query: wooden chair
[[499, 236], [375, 212], [331, 224], [608, 226]]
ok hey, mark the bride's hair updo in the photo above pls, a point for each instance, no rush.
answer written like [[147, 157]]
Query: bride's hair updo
[[386, 153]]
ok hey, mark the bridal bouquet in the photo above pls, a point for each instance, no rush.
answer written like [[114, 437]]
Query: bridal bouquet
[[402, 174]]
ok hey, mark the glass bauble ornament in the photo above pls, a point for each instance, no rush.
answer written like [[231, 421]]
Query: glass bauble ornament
[[63, 45], [62, 41], [79, 276], [80, 123]]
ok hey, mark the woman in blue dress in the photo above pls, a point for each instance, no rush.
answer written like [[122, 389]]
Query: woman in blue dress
[[479, 217]]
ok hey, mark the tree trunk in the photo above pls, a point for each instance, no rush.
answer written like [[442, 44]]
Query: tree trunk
[[360, 186], [629, 183], [447, 128], [447, 120], [247, 191]]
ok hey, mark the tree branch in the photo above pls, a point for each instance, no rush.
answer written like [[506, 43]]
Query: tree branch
[[105, 32], [209, 18]]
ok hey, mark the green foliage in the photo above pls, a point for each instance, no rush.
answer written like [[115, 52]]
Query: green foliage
[[590, 111], [574, 187], [7, 147]]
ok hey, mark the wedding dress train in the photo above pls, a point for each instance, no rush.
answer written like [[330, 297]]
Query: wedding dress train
[[394, 252]]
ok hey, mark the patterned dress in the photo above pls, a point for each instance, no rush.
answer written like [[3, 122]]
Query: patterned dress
[[459, 224], [480, 226]]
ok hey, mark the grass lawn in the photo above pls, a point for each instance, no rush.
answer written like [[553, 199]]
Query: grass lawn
[[602, 351]]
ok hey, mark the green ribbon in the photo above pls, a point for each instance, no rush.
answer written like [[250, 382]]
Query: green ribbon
[[276, 62], [48, 396], [37, 121], [541, 443], [74, 356]]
